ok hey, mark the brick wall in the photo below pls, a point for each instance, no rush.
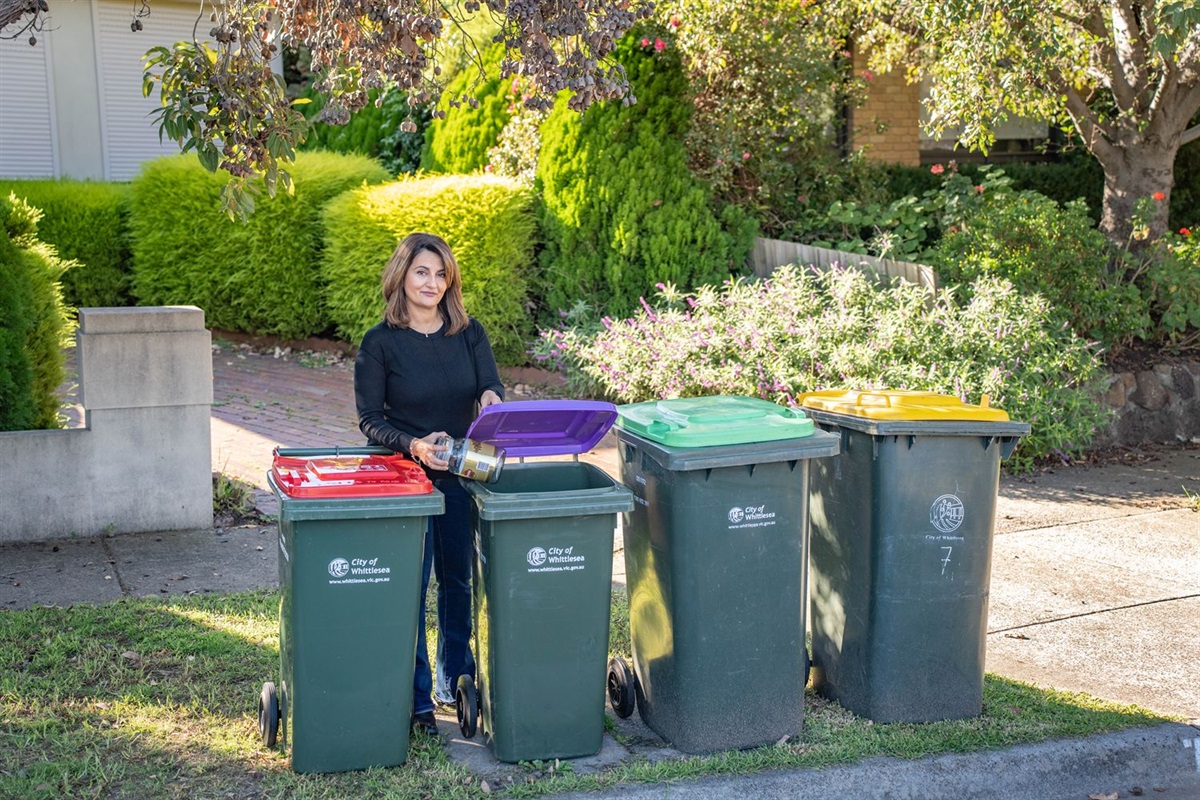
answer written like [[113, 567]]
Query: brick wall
[[886, 127]]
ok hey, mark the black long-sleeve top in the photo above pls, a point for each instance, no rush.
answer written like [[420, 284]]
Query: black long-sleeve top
[[408, 385]]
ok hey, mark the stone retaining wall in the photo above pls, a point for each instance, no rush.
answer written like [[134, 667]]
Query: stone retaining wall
[[1161, 404]]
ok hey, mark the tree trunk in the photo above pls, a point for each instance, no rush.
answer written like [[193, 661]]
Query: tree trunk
[[1144, 170]]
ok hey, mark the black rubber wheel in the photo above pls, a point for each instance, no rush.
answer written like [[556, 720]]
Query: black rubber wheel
[[466, 706], [268, 714], [621, 691]]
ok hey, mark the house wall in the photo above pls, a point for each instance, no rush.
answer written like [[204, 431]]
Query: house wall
[[887, 125]]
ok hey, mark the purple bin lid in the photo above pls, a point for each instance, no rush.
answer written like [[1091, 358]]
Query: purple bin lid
[[544, 427]]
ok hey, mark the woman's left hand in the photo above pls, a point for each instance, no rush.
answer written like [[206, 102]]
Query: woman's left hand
[[489, 398]]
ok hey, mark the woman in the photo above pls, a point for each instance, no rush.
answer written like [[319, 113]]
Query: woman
[[421, 374]]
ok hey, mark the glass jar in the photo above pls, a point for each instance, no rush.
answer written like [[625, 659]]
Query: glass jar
[[468, 458]]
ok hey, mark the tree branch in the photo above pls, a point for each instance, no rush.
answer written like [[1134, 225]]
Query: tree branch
[[1129, 57], [12, 12]]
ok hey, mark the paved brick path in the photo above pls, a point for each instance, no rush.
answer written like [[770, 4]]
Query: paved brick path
[[261, 402]]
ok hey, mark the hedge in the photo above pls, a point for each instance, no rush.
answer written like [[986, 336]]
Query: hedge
[[85, 222], [260, 276], [34, 322], [487, 221]]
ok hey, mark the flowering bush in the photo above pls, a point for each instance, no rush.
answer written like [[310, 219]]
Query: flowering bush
[[799, 331], [1054, 251], [1171, 287]]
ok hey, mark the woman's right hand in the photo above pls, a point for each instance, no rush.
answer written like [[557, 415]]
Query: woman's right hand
[[426, 451]]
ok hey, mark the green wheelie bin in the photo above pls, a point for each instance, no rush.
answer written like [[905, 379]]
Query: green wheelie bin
[[351, 537], [902, 524], [715, 555], [542, 582]]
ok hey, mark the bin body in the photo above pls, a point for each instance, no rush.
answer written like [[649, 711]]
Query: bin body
[[350, 582], [543, 580], [902, 523], [715, 557]]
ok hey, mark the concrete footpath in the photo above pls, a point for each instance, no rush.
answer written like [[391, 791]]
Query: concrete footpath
[[1095, 588]]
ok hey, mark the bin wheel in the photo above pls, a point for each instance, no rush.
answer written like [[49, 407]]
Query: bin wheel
[[621, 687], [466, 706], [268, 714]]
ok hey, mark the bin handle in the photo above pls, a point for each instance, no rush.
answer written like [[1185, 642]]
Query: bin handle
[[317, 452]]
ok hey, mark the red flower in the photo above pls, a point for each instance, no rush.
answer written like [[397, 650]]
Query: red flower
[[937, 169], [674, 23], [659, 44], [645, 42], [1159, 196], [1185, 231]]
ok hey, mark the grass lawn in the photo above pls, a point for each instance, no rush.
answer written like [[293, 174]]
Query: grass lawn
[[157, 698]]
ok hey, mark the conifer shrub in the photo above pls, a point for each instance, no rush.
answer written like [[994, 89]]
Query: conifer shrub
[[34, 322], [620, 209], [374, 130], [489, 224], [460, 142], [86, 222], [259, 276]]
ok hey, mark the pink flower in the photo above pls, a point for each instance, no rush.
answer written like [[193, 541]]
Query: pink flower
[[867, 75], [674, 23], [745, 156], [937, 169], [1159, 197], [1185, 231], [488, 168], [720, 162], [979, 189], [659, 44], [645, 42]]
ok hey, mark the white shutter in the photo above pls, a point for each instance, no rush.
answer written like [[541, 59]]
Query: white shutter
[[128, 133], [27, 132]]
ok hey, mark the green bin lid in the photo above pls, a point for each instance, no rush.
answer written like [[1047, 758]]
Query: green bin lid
[[711, 421]]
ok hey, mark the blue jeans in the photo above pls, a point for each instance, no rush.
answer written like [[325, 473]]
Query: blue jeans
[[449, 550]]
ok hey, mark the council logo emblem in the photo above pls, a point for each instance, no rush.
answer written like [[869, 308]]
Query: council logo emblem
[[946, 513], [536, 556], [339, 568], [737, 514]]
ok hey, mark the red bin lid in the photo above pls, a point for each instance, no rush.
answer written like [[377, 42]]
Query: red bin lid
[[337, 476]]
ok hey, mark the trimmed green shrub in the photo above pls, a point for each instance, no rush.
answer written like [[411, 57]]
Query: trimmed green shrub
[[487, 221], [85, 222], [260, 276], [621, 210], [460, 141], [1043, 248], [34, 324], [801, 331], [16, 376]]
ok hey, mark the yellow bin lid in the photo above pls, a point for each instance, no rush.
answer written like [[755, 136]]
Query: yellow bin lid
[[896, 405]]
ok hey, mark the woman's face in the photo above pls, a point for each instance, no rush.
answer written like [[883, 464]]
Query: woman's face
[[425, 282]]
